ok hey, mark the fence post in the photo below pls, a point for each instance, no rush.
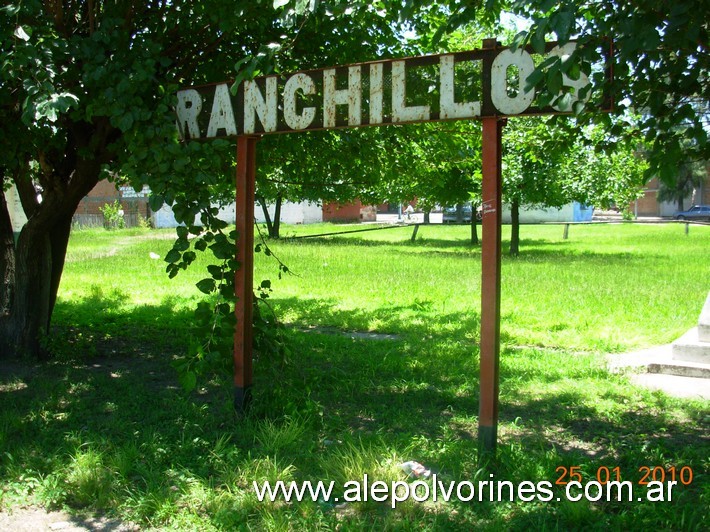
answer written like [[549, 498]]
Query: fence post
[[414, 233]]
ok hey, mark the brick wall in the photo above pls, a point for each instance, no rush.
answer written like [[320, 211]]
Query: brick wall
[[88, 212], [350, 212]]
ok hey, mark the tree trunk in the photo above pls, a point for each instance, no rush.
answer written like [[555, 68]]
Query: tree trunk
[[276, 226], [427, 216], [59, 240], [515, 228], [7, 257], [29, 317], [32, 269], [680, 202], [32, 290], [267, 216], [474, 228]]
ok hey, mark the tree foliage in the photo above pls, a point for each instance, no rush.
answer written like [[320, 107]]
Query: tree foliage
[[689, 178], [550, 162], [88, 89], [659, 62]]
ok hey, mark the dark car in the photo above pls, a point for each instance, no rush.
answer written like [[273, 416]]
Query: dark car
[[696, 212], [449, 215]]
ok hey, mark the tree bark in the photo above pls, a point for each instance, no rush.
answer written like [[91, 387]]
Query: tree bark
[[515, 228], [30, 293], [7, 257], [427, 216], [59, 240], [276, 226], [474, 228], [29, 316], [32, 269], [267, 216]]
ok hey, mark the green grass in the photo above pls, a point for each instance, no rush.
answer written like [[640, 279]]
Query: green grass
[[105, 426]]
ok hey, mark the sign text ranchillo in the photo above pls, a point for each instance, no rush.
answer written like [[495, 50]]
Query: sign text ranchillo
[[452, 86]]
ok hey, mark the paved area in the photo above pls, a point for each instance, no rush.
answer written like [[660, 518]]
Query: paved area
[[638, 362]]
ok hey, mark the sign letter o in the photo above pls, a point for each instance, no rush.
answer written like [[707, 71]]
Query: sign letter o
[[499, 84]]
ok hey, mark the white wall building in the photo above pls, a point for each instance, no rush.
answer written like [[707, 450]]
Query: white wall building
[[304, 212], [572, 212], [291, 213]]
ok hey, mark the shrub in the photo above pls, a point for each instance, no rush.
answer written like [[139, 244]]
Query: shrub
[[113, 215]]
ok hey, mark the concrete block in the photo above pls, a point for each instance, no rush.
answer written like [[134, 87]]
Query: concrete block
[[682, 369], [704, 322], [689, 348]]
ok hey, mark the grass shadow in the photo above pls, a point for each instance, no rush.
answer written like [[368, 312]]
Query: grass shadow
[[113, 430]]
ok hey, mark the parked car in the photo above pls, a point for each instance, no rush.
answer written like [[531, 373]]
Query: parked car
[[449, 215], [696, 212]]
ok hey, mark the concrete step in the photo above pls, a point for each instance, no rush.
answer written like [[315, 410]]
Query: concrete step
[[704, 322], [681, 369], [660, 371], [689, 348], [704, 332]]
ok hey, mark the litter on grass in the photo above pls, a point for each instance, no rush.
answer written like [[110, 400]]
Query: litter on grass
[[415, 469]]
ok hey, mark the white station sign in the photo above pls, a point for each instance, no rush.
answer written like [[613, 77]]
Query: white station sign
[[455, 86]]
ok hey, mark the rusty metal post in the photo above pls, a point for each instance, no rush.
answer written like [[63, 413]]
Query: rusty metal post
[[490, 287], [244, 276]]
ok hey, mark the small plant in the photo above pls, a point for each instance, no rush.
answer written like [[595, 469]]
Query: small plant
[[144, 223], [113, 215]]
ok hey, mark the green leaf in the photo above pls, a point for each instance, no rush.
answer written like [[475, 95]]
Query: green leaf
[[533, 79], [563, 24], [188, 380], [215, 271], [206, 285], [518, 40], [173, 256], [181, 244], [538, 38], [11, 9], [155, 201], [223, 250], [564, 102], [554, 80]]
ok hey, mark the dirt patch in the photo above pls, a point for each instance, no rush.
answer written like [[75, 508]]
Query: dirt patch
[[38, 519]]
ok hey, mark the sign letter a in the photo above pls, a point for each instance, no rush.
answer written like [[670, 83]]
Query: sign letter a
[[222, 116]]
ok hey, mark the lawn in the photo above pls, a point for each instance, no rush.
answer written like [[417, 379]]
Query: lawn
[[105, 427]]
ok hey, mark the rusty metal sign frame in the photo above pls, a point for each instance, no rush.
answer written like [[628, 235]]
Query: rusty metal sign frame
[[256, 92]]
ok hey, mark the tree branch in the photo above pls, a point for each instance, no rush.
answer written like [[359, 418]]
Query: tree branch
[[26, 190]]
